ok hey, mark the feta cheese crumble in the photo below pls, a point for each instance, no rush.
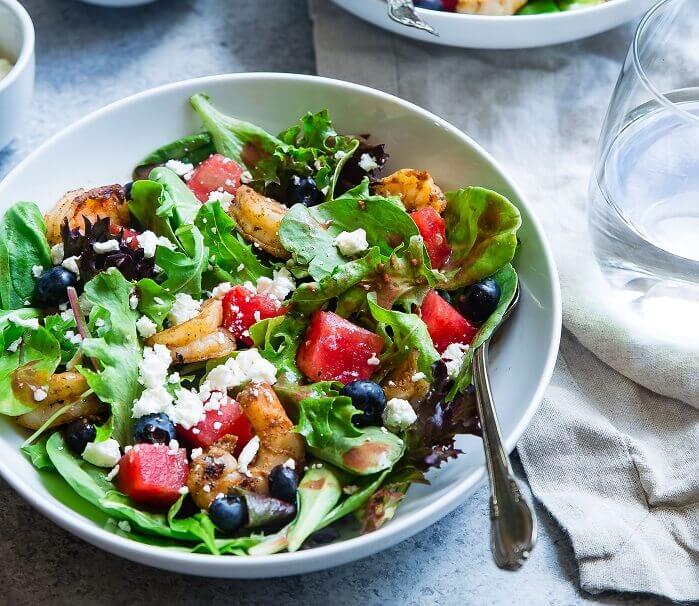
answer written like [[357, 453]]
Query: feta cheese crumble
[[351, 243], [146, 327], [148, 241], [37, 270], [373, 361], [398, 414], [188, 409], [454, 357], [418, 376], [279, 286], [57, 253], [133, 301], [248, 454], [179, 168], [367, 163], [40, 394], [221, 290], [152, 374], [71, 264], [18, 320], [223, 197], [124, 526], [102, 454], [255, 367], [105, 247], [184, 308]]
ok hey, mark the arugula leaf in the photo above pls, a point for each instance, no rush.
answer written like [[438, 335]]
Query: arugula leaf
[[153, 300], [403, 334], [146, 198], [277, 340], [309, 233], [191, 149], [23, 244], [482, 231], [507, 280], [33, 362], [184, 269], [227, 249], [58, 327], [326, 423], [116, 349], [91, 484]]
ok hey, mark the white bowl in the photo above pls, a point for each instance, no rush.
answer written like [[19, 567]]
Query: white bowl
[[523, 359], [17, 45], [523, 31]]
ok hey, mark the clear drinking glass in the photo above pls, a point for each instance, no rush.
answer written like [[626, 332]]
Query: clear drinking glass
[[644, 193]]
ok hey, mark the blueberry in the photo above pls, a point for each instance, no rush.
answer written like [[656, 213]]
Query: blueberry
[[369, 398], [155, 428], [303, 190], [127, 190], [283, 483], [79, 433], [479, 301], [433, 5], [51, 287], [229, 513]]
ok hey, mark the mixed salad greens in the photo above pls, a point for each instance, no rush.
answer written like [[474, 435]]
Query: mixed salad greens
[[257, 339], [506, 7]]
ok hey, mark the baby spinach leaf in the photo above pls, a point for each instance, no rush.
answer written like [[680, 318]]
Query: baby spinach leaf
[[37, 358], [108, 293], [403, 333], [58, 327], [37, 455], [277, 340], [178, 204], [228, 250], [507, 279], [23, 244], [153, 300], [482, 231], [309, 233], [146, 198], [191, 149], [326, 423]]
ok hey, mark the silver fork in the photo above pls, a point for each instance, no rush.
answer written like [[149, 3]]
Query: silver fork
[[403, 12], [513, 526]]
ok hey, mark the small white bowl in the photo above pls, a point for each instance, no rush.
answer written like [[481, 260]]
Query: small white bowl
[[17, 45]]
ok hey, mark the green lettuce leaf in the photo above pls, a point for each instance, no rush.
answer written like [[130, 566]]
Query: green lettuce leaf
[[58, 327], [482, 231], [37, 455], [326, 423], [153, 300], [116, 349], [227, 250], [403, 333], [309, 233], [23, 244], [146, 198], [277, 340]]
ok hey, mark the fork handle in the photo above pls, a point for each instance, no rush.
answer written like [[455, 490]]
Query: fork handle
[[513, 524]]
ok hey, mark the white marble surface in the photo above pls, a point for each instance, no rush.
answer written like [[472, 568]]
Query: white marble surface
[[89, 56]]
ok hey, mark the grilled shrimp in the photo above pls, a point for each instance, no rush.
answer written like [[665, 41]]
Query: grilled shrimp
[[217, 470], [75, 206], [415, 188], [200, 338], [258, 219], [63, 388], [489, 7]]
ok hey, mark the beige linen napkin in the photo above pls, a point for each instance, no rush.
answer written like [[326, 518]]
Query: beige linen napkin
[[614, 463]]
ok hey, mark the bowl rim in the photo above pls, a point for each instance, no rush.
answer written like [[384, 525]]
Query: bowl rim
[[561, 15], [325, 556], [28, 36]]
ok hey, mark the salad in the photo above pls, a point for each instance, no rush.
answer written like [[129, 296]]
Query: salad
[[257, 344], [506, 7]]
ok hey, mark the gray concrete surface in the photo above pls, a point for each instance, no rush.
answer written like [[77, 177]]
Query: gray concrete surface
[[88, 57]]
